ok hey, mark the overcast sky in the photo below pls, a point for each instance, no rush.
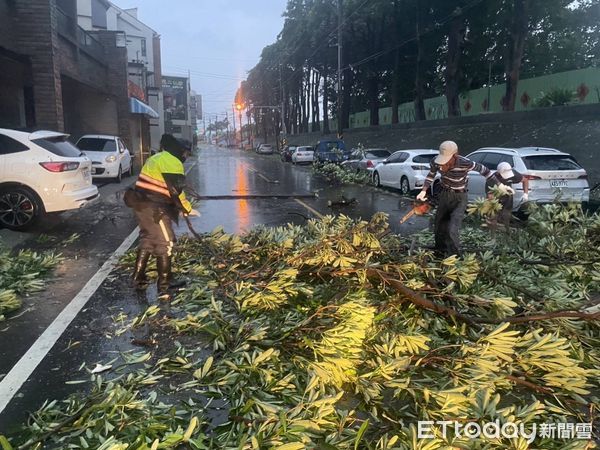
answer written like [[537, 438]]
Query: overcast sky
[[218, 41]]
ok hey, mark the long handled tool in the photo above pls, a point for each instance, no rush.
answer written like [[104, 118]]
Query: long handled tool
[[191, 228], [419, 209]]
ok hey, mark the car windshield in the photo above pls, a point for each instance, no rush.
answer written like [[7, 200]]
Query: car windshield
[[551, 162], [59, 146], [305, 149], [424, 159], [97, 145], [374, 154], [331, 147]]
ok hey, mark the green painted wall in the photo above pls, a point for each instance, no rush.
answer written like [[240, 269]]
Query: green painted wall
[[586, 82]]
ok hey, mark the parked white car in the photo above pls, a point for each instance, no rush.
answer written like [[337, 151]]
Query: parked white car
[[110, 157], [265, 149], [405, 169], [552, 174], [41, 172], [303, 154]]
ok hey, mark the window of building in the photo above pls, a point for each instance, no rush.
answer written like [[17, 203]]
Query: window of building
[[143, 46], [98, 14]]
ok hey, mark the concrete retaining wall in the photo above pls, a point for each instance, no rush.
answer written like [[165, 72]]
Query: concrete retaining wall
[[574, 129]]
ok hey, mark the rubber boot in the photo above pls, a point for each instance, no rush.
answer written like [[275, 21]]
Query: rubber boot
[[163, 266], [140, 281]]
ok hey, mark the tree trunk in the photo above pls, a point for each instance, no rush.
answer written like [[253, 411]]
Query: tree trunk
[[456, 38], [516, 46], [419, 100], [396, 87], [316, 104], [347, 83], [325, 104], [373, 97], [306, 104], [316, 78]]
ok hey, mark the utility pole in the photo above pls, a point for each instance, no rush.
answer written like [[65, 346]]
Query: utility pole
[[227, 120], [241, 130], [204, 125], [339, 74], [209, 131], [282, 110], [234, 129]]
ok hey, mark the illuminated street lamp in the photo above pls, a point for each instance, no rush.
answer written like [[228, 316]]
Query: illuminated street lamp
[[239, 107]]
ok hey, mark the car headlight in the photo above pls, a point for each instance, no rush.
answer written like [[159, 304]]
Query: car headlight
[[111, 158]]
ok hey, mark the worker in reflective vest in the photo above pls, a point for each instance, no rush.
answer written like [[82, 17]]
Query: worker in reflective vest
[[157, 200]]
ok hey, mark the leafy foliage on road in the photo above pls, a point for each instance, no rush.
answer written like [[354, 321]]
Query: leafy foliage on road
[[22, 274], [339, 174], [335, 335]]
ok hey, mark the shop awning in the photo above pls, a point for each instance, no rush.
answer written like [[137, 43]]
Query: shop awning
[[138, 107]]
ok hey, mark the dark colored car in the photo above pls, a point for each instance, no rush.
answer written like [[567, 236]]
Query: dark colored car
[[286, 153], [333, 151]]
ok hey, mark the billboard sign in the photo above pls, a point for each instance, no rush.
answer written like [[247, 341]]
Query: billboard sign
[[175, 94]]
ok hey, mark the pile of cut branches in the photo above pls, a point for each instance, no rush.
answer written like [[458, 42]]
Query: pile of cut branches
[[341, 175], [22, 274], [332, 335]]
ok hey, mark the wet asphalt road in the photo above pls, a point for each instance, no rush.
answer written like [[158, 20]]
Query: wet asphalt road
[[94, 336]]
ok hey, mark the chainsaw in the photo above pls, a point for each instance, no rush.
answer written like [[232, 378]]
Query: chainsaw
[[419, 209]]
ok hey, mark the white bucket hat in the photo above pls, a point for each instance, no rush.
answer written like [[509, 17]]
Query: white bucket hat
[[447, 150], [505, 170]]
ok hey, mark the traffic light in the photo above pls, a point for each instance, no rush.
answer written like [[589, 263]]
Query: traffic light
[[239, 106]]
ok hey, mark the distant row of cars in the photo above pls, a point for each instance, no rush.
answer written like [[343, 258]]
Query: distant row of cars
[[551, 173], [42, 172]]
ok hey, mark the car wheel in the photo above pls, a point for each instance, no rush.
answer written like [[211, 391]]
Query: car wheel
[[404, 186], [119, 176], [376, 180], [20, 208]]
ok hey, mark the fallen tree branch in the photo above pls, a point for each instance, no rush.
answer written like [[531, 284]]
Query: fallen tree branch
[[429, 305], [530, 385]]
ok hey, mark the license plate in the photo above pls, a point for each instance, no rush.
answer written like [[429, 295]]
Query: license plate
[[559, 183]]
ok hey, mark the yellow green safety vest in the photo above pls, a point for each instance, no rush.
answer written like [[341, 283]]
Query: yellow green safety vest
[[151, 177]]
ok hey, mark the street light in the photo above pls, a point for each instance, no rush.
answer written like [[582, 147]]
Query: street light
[[239, 107]]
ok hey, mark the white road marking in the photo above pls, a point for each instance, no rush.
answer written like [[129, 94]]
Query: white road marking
[[22, 370], [310, 208]]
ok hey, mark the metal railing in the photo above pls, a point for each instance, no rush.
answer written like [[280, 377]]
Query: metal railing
[[90, 44], [67, 27], [66, 24]]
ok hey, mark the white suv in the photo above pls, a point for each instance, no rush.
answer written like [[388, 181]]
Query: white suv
[[552, 174], [40, 172]]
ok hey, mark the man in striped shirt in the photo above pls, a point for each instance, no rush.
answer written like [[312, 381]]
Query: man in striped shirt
[[454, 170]]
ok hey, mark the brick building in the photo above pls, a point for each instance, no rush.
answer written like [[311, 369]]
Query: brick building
[[143, 71], [56, 75]]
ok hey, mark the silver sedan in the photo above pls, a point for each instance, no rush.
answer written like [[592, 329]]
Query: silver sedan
[[365, 159]]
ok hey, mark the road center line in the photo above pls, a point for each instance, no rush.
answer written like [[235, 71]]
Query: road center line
[[310, 208]]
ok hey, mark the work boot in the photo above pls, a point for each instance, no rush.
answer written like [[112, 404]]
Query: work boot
[[140, 281], [163, 266], [165, 277]]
